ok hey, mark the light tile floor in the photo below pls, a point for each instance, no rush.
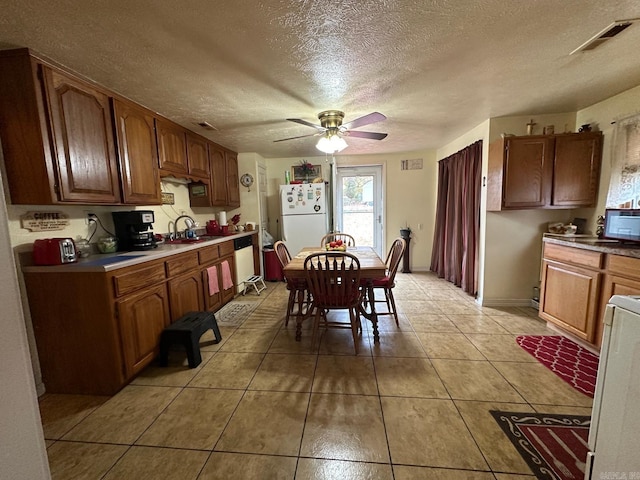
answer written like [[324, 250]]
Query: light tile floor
[[263, 406]]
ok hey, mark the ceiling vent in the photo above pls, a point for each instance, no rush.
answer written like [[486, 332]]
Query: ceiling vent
[[207, 126], [608, 33]]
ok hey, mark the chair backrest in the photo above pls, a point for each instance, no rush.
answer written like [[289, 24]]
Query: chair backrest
[[348, 240], [282, 252], [394, 257], [333, 278]]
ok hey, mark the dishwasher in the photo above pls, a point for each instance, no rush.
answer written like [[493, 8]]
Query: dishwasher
[[243, 256]]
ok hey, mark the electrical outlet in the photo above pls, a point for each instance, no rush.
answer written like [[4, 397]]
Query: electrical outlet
[[90, 218]]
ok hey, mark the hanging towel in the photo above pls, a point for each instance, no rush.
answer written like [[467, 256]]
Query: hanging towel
[[227, 280], [212, 274]]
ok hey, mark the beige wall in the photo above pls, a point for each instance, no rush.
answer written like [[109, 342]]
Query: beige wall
[[410, 196], [601, 115]]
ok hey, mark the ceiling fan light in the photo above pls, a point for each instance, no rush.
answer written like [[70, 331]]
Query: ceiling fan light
[[324, 145], [331, 144]]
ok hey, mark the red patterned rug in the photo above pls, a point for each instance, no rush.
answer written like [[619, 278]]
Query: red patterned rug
[[554, 446], [574, 364]]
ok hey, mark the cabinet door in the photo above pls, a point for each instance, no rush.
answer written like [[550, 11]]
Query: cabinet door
[[218, 176], [228, 294], [569, 298], [142, 317], [172, 147], [613, 285], [185, 295], [212, 302], [138, 154], [82, 139], [233, 185], [198, 157], [577, 169], [528, 168]]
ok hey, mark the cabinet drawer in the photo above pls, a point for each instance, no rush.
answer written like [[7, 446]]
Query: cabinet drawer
[[138, 277], [226, 248], [208, 254], [181, 263], [576, 256], [626, 266]]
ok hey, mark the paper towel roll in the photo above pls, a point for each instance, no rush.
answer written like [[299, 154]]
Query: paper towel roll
[[222, 218]]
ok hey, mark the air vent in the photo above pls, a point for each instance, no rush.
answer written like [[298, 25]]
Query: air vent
[[207, 126], [608, 33]]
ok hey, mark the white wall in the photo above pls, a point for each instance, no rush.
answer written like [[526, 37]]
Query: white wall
[[22, 446], [410, 196]]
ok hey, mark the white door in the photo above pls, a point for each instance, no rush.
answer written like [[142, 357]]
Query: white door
[[359, 205]]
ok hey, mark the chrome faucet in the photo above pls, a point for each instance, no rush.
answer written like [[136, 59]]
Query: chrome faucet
[[188, 221]]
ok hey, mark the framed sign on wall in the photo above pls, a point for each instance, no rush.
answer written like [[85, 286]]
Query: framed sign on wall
[[306, 172]]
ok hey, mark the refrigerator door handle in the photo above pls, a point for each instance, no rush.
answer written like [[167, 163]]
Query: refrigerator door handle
[[587, 468]]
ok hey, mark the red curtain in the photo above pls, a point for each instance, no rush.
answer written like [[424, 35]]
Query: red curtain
[[455, 243]]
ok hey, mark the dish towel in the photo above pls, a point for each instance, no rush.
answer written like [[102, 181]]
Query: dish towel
[[212, 274], [227, 280]]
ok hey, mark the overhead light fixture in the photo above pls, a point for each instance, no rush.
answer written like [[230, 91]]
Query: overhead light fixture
[[331, 142], [608, 33]]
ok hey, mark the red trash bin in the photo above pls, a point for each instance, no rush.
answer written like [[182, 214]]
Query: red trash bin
[[272, 267]]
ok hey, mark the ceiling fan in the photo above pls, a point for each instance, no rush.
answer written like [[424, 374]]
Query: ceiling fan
[[332, 130]]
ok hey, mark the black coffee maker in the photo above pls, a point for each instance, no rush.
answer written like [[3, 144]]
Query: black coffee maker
[[133, 230]]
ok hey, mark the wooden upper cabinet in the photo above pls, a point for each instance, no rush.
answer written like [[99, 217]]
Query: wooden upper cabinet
[[577, 169], [83, 144], [197, 156], [233, 184], [528, 167], [218, 176], [137, 154], [172, 147], [544, 171]]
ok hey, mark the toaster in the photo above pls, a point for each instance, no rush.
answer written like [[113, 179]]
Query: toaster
[[54, 251]]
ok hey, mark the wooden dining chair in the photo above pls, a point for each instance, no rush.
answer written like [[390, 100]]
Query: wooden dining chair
[[348, 240], [333, 278], [387, 283], [297, 287]]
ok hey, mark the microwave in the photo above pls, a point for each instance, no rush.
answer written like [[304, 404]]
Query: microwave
[[622, 224]]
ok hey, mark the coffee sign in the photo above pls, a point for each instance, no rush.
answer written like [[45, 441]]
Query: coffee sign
[[44, 221]]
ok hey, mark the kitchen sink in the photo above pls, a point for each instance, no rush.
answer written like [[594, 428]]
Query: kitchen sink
[[185, 240], [179, 241]]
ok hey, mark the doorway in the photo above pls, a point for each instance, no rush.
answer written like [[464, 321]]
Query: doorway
[[359, 205]]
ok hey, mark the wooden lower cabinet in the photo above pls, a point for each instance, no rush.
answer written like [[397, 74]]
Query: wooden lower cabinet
[[96, 330], [185, 294], [570, 298], [141, 318], [577, 285]]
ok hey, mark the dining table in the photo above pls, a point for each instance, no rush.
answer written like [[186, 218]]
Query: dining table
[[371, 267]]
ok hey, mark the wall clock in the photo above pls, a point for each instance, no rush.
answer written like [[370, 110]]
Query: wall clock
[[246, 180]]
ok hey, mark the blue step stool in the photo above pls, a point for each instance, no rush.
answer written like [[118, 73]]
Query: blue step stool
[[187, 331]]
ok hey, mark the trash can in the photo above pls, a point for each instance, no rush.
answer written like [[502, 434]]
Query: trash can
[[272, 267]]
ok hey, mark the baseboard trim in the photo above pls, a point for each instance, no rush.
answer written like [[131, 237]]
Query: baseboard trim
[[506, 302]]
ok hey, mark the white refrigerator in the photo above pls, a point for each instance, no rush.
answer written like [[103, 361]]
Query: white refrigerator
[[614, 435], [303, 215]]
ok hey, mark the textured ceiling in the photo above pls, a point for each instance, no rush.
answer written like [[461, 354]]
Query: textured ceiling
[[435, 68]]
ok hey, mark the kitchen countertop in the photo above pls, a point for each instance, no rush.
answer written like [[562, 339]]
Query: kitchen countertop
[[612, 247], [113, 261]]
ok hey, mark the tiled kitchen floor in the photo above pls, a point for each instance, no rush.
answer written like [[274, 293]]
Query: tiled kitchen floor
[[263, 406]]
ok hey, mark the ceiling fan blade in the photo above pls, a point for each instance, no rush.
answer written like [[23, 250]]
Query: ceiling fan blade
[[370, 135], [366, 120], [293, 138], [308, 124]]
